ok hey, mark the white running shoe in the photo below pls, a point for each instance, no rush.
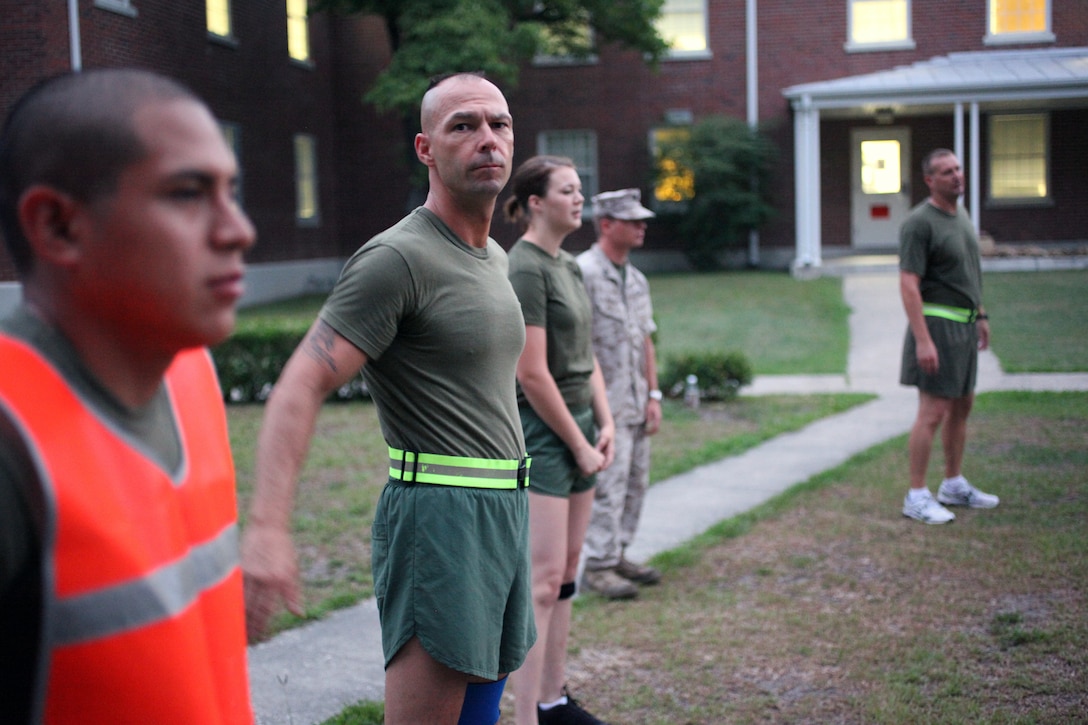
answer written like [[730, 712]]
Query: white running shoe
[[926, 509], [966, 495]]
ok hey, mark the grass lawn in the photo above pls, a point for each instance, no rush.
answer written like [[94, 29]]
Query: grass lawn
[[826, 605], [782, 325], [1039, 321]]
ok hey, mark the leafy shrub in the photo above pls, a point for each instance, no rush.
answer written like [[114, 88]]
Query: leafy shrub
[[720, 375], [251, 360], [731, 168]]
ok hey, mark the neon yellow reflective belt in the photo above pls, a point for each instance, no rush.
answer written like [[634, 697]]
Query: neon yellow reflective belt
[[956, 314], [439, 470]]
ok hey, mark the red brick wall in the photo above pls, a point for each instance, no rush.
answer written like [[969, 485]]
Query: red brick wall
[[250, 82], [364, 157]]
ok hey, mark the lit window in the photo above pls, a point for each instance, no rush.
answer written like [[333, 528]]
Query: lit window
[[878, 24], [880, 172], [1018, 21], [674, 182], [218, 13], [1018, 157], [580, 147], [232, 132], [306, 206], [298, 30], [683, 26], [1018, 16]]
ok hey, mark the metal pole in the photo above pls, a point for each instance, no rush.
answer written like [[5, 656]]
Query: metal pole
[[75, 52], [752, 35]]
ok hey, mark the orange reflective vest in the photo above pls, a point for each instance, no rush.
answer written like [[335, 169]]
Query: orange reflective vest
[[143, 616]]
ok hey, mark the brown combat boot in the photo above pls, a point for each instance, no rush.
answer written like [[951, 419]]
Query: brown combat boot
[[638, 573], [609, 584]]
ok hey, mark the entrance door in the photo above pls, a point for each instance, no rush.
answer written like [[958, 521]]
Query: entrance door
[[880, 185]]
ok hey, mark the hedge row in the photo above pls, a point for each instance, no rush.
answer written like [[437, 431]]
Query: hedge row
[[250, 362]]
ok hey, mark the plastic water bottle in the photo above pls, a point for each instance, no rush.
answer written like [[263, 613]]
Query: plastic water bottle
[[691, 391]]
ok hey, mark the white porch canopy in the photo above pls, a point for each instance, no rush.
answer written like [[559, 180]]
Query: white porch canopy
[[1051, 78]]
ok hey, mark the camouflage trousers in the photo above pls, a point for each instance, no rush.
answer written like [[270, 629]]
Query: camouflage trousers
[[617, 503]]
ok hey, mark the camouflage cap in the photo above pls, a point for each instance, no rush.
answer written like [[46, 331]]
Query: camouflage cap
[[624, 204]]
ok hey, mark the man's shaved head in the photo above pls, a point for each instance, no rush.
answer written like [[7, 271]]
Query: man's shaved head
[[432, 98]]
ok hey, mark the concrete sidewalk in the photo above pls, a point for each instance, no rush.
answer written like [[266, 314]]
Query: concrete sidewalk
[[309, 674]]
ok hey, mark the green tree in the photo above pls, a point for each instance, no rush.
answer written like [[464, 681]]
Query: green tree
[[433, 37], [729, 165]]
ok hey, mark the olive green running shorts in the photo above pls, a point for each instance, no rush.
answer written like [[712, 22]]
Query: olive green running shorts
[[554, 471], [451, 567], [957, 357]]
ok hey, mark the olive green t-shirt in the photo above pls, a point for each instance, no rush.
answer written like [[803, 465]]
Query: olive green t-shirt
[[442, 331], [942, 249], [553, 296]]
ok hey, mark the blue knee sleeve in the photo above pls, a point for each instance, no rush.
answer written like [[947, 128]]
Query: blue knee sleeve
[[481, 706]]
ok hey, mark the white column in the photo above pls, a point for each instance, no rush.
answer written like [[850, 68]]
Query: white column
[[973, 180], [957, 125], [815, 210], [800, 184], [806, 140]]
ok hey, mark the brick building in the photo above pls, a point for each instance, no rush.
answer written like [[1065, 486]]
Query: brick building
[[318, 173], [853, 92]]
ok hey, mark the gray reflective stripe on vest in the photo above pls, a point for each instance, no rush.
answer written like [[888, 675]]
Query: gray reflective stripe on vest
[[163, 593]]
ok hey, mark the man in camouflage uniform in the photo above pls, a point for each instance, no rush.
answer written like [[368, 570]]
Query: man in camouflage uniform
[[622, 325]]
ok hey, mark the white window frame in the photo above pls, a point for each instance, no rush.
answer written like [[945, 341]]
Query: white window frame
[[566, 142], [293, 23], [307, 187], [856, 46], [682, 54], [1046, 35], [121, 7], [1000, 201]]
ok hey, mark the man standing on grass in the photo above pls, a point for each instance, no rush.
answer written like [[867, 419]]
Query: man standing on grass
[[940, 280], [623, 322], [426, 311]]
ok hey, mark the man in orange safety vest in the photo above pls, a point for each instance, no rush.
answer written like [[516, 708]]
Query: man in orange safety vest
[[120, 590]]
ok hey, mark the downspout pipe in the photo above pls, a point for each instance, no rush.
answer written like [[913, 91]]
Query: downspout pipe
[[74, 49], [752, 52]]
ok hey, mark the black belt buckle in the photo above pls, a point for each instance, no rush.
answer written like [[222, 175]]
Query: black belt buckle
[[415, 466], [523, 473]]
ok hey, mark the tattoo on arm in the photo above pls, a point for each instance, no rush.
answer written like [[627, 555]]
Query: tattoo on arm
[[319, 344]]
